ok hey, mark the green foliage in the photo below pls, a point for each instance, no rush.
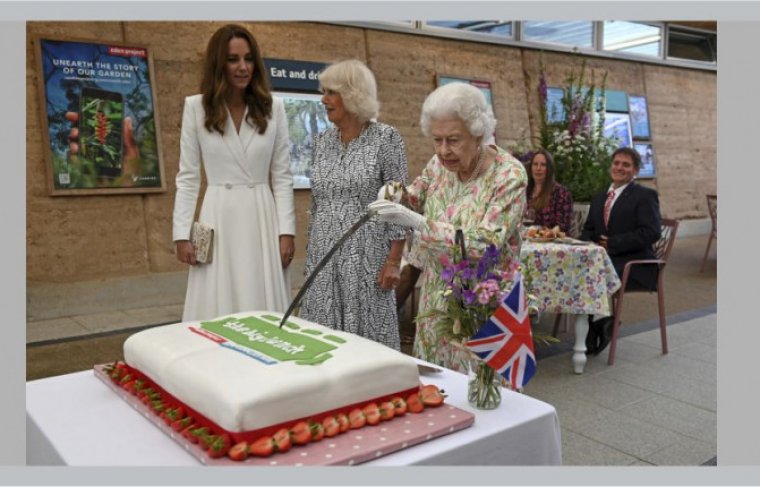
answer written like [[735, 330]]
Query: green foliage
[[577, 142]]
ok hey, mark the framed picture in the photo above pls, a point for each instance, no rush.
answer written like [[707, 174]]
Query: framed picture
[[639, 117], [646, 152], [99, 120], [306, 118], [618, 126], [483, 86], [555, 111]]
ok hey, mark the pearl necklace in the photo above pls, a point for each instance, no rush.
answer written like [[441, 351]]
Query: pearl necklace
[[475, 171]]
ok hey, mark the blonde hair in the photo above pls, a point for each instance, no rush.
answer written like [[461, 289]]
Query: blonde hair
[[356, 84]]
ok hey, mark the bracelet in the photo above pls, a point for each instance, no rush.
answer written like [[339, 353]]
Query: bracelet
[[393, 262]]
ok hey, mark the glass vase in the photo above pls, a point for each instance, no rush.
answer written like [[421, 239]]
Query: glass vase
[[483, 386]]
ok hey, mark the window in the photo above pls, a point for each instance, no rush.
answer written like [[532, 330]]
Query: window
[[498, 28], [576, 34], [692, 45], [632, 37]]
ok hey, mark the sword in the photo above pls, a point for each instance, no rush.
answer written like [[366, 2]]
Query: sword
[[364, 219]]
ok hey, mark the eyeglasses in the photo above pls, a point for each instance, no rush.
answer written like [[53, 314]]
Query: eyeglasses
[[454, 143]]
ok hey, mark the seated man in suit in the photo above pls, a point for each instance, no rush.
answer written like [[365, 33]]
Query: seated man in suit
[[625, 220]]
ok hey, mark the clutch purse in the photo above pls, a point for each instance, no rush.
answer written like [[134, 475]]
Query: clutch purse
[[202, 237]]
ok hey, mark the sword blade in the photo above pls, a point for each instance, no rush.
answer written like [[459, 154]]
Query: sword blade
[[364, 219]]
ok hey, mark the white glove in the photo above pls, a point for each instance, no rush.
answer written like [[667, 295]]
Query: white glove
[[388, 211], [391, 191]]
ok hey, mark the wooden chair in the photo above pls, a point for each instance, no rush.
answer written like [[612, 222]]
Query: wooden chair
[[712, 206], [662, 250], [580, 213]]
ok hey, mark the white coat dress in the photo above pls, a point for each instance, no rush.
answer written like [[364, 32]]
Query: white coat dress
[[247, 214]]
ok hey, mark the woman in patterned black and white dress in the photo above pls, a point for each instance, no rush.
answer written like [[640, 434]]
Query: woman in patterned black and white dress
[[352, 161]]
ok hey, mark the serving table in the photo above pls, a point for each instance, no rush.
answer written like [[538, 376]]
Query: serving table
[[77, 420], [575, 278]]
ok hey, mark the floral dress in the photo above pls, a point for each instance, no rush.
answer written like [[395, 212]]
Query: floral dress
[[345, 295], [486, 209], [559, 211]]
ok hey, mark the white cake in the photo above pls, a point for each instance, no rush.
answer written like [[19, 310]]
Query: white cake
[[246, 374]]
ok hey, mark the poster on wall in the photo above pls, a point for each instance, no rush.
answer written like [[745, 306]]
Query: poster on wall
[[99, 121], [555, 111], [306, 118], [297, 84], [639, 117], [483, 86], [618, 126], [646, 152]]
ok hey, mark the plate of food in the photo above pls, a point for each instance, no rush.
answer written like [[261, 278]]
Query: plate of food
[[544, 234], [571, 241]]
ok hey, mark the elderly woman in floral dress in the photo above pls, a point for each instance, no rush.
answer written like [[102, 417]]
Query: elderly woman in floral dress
[[468, 185]]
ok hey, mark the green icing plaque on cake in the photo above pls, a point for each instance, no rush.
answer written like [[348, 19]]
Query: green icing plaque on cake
[[257, 335]]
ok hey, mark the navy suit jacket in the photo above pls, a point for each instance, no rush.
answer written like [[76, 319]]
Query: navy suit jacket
[[634, 226]]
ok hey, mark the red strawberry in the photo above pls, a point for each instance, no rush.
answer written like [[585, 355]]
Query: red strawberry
[[195, 434], [207, 439], [239, 451], [167, 415], [399, 405], [179, 412], [282, 440], [139, 385], [414, 403], [186, 432], [317, 431], [118, 371], [387, 411], [357, 419], [430, 395], [372, 412], [181, 424], [331, 426], [300, 434], [219, 446], [343, 421], [263, 447]]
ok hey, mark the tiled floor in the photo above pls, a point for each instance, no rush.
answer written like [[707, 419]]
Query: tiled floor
[[647, 409]]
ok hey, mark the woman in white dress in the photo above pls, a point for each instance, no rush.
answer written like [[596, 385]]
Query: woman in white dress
[[239, 133]]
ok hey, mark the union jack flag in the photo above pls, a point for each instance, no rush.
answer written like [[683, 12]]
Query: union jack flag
[[505, 341]]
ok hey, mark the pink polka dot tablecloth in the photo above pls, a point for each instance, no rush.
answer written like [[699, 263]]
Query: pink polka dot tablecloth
[[350, 448]]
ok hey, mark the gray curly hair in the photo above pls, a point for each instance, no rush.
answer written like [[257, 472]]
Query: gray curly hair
[[462, 101]]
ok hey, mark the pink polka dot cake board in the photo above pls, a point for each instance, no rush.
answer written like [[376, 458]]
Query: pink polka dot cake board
[[350, 448]]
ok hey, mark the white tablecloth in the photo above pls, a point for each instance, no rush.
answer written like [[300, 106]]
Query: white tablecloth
[[77, 420]]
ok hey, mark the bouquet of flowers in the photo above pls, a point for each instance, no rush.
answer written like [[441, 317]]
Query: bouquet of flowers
[[577, 141], [474, 288]]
